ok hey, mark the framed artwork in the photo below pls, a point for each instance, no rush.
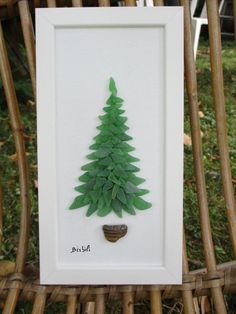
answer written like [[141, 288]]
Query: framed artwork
[[110, 126]]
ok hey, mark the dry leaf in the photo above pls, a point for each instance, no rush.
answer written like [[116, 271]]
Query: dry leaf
[[30, 103], [6, 268], [202, 134], [201, 114], [31, 271], [198, 71], [89, 307], [13, 157], [27, 137], [205, 305], [36, 184], [196, 305], [187, 140]]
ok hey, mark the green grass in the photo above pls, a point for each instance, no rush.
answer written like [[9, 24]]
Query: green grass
[[10, 183], [211, 159], [10, 180]]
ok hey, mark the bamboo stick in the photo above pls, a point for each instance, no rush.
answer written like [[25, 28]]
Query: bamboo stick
[[187, 295], [234, 8], [155, 302], [22, 165], [10, 8], [130, 3], [100, 304], [89, 308], [28, 33], [11, 301], [77, 3], [39, 303], [6, 2], [219, 104], [71, 304], [191, 84], [1, 214], [128, 303], [104, 3], [51, 3], [158, 2], [36, 3]]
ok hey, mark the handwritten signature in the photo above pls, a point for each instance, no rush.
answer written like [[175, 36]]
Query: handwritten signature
[[80, 249]]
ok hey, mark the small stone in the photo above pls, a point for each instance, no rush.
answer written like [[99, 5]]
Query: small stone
[[114, 232]]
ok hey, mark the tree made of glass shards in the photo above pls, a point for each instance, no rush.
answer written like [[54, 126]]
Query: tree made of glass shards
[[109, 182]]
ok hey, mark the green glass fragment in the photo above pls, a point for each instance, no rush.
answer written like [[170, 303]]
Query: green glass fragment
[[132, 168], [136, 180], [105, 161], [112, 87], [101, 203], [102, 212], [129, 209], [95, 194], [92, 208], [120, 173], [126, 137], [121, 196], [130, 198], [103, 152], [107, 197], [117, 207], [126, 147], [85, 177], [81, 188], [90, 166], [139, 203], [114, 191], [79, 201], [92, 156], [103, 173], [100, 181], [107, 186], [114, 179], [130, 158], [131, 188], [142, 192]]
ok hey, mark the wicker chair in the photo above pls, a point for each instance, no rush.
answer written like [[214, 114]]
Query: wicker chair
[[215, 280]]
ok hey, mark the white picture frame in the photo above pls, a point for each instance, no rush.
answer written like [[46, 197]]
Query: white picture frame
[[77, 50]]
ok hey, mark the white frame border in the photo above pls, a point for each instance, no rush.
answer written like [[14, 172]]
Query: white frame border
[[47, 20]]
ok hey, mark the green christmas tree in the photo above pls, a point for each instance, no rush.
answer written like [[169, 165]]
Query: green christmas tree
[[109, 180]]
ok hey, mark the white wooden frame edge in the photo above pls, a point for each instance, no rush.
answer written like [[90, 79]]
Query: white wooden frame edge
[[171, 19]]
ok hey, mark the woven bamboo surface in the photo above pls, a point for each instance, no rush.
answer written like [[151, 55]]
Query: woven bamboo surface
[[215, 280]]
